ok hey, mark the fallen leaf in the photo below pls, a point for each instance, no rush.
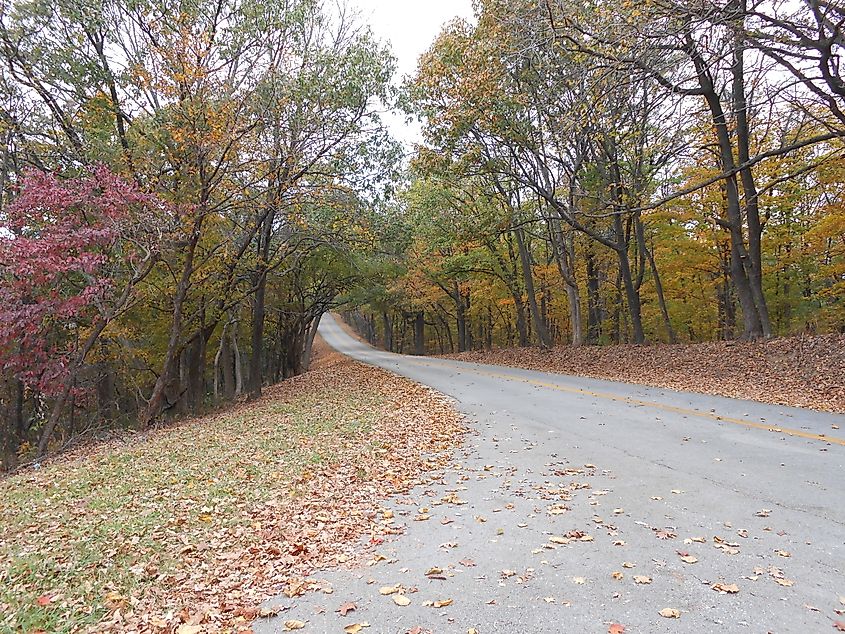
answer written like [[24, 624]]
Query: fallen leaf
[[556, 539], [670, 613], [689, 559], [386, 590], [354, 628], [401, 600], [273, 610], [839, 626], [189, 629], [728, 588], [442, 603], [293, 624], [787, 583], [346, 608], [618, 576], [616, 628], [642, 579]]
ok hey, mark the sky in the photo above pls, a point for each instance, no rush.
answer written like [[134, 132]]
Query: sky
[[410, 27]]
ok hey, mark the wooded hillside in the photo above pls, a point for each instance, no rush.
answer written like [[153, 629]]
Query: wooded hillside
[[185, 190]]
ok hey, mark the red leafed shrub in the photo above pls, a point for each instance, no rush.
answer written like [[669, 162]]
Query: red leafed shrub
[[59, 244]]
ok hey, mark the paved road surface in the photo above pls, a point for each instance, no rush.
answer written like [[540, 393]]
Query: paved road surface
[[629, 478]]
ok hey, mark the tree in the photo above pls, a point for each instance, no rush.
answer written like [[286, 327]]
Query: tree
[[71, 255]]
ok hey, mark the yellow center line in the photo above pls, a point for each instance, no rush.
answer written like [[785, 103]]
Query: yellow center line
[[669, 408]]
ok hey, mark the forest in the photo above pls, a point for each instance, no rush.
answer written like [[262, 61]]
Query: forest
[[598, 173], [187, 187]]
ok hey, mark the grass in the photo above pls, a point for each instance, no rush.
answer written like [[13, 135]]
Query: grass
[[93, 534]]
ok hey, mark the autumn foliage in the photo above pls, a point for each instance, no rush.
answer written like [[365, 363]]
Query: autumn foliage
[[60, 254]]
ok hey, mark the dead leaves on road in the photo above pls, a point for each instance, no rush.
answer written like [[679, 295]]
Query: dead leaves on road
[[670, 613], [346, 608], [401, 600]]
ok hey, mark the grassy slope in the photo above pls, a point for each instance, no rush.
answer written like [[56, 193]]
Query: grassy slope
[[199, 523]]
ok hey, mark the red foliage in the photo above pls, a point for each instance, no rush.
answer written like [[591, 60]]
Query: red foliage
[[56, 242]]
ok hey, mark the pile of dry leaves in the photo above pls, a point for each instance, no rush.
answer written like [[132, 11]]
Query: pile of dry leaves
[[188, 529], [796, 371]]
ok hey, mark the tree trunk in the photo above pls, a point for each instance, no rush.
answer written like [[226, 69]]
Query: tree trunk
[[256, 360], [733, 222], [419, 333], [59, 403], [594, 316], [224, 365], [528, 279], [631, 293], [309, 344], [749, 188], [489, 342], [460, 318], [661, 300], [106, 400], [168, 376], [563, 250], [194, 388], [239, 373], [388, 331]]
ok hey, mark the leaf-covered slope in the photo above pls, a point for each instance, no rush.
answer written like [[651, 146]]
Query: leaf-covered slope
[[197, 524], [794, 371]]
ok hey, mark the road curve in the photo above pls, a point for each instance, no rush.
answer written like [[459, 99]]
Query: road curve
[[683, 491]]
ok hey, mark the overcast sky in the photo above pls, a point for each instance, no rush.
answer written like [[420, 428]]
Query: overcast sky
[[410, 26]]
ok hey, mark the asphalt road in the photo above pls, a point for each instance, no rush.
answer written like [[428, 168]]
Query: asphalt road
[[575, 503]]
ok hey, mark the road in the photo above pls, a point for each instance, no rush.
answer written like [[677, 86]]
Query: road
[[577, 504]]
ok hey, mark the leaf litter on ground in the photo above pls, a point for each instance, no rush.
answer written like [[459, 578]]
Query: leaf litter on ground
[[196, 524]]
